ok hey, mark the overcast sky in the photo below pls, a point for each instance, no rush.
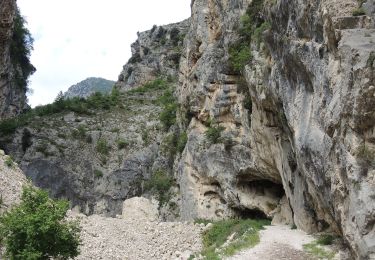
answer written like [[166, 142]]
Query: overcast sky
[[76, 39]]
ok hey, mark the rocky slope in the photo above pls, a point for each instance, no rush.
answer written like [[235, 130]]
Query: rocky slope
[[88, 87], [15, 68], [304, 146], [12, 180], [99, 157]]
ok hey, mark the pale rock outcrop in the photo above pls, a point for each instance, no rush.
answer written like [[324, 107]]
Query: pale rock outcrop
[[139, 208], [308, 134]]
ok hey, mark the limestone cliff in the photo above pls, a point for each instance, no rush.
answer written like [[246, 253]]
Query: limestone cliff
[[15, 68], [304, 143], [275, 99]]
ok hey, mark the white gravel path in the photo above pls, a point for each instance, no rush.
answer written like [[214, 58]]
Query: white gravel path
[[277, 242]]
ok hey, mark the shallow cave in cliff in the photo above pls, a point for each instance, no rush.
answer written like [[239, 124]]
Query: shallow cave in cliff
[[245, 213], [257, 198]]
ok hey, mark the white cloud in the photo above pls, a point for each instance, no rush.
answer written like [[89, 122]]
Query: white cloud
[[76, 39]]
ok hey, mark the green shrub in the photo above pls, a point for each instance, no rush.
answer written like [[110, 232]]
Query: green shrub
[[246, 235], [157, 84], [325, 239], [252, 26], [239, 56], [79, 133], [358, 11], [160, 184], [37, 228], [168, 114], [9, 161], [181, 142], [146, 137], [98, 173], [121, 144], [102, 146], [213, 133]]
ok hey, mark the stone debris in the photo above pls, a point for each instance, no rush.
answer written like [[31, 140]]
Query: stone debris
[[115, 238]]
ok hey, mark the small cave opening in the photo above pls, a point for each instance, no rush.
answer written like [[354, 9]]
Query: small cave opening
[[257, 198], [245, 213]]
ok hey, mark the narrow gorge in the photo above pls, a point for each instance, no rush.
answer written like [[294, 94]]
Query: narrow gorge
[[262, 108]]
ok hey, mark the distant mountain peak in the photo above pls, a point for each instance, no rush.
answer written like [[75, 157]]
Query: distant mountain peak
[[88, 87]]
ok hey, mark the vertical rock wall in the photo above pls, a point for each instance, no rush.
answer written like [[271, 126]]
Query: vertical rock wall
[[303, 152], [12, 96]]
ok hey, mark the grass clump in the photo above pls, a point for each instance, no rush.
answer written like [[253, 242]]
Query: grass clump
[[122, 144], [358, 11], [325, 239], [9, 161], [160, 185], [245, 234], [102, 146], [318, 251], [157, 84], [181, 142], [98, 173], [79, 133], [213, 133]]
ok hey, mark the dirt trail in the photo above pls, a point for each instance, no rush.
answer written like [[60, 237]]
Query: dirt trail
[[278, 242]]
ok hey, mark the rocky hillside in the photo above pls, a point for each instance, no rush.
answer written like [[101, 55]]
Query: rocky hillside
[[100, 151], [88, 87], [15, 67], [275, 106], [12, 180]]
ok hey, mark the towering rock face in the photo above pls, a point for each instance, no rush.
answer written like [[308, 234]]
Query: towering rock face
[[14, 69], [303, 151]]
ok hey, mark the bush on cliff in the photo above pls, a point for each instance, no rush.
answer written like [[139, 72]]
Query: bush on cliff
[[37, 228]]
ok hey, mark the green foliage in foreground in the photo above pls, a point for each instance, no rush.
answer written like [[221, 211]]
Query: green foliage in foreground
[[78, 105], [160, 184], [246, 235], [318, 251], [37, 229]]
